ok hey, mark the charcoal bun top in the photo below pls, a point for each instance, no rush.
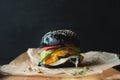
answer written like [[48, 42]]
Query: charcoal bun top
[[60, 37]]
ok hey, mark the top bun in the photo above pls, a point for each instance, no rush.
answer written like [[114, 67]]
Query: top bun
[[60, 37]]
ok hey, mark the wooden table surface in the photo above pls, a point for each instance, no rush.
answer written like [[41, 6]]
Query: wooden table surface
[[101, 76]]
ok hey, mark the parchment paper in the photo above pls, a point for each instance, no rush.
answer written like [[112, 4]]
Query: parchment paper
[[26, 64]]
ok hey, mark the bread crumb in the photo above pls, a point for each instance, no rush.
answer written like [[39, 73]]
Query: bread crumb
[[39, 71], [29, 68]]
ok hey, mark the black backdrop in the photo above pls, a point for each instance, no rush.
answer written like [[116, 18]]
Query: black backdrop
[[24, 22]]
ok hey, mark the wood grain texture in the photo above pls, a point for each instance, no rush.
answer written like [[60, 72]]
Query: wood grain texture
[[101, 76]]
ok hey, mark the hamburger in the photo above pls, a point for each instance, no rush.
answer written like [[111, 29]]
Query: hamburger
[[60, 48]]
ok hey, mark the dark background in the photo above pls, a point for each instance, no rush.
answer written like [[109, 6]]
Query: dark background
[[24, 22]]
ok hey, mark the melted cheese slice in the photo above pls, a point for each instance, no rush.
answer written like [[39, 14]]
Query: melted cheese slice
[[57, 54]]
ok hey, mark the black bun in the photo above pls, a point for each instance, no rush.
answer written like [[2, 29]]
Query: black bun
[[60, 37]]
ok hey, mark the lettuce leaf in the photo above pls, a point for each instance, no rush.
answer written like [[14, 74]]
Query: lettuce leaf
[[44, 54]]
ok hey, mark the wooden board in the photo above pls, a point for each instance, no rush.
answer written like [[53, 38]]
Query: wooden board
[[102, 76]]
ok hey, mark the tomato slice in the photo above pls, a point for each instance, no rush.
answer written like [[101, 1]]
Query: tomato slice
[[57, 46], [51, 47]]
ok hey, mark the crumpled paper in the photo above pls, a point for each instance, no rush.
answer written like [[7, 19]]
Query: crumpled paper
[[26, 64]]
